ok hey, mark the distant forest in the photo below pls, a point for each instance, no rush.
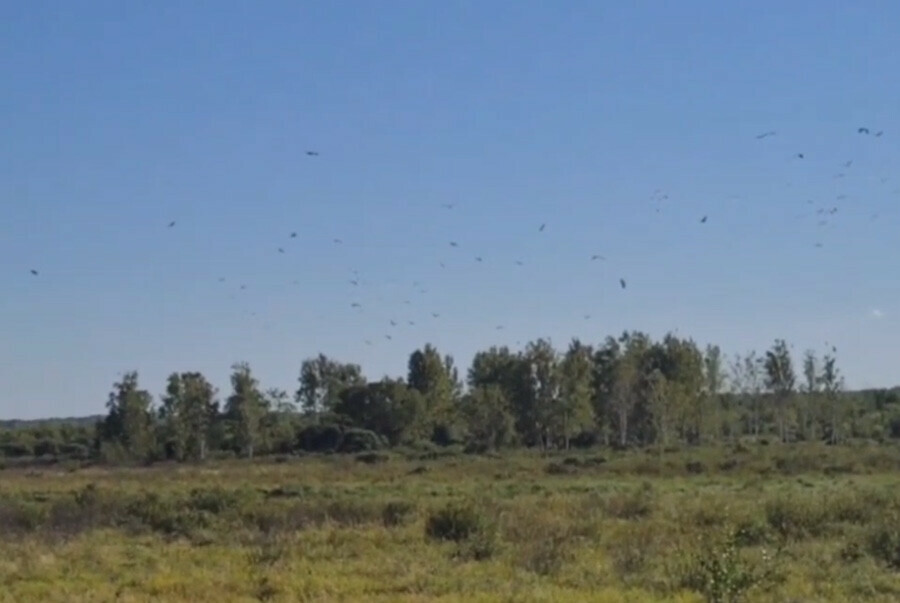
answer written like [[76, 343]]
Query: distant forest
[[628, 391]]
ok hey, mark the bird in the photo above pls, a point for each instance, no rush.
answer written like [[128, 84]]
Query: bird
[[499, 327], [221, 279], [597, 257], [435, 314], [393, 323], [34, 272], [543, 226], [338, 241], [478, 258], [243, 287], [862, 130], [354, 282], [703, 220], [799, 155], [519, 263], [355, 305], [447, 205], [293, 235], [172, 223], [406, 301], [765, 135], [622, 282], [412, 323], [879, 133], [442, 264], [281, 250], [587, 316], [848, 163], [368, 342], [818, 245], [454, 244], [312, 153]]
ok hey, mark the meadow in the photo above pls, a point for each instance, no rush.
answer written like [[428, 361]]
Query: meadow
[[801, 522]]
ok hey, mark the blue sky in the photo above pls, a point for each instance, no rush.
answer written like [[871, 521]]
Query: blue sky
[[118, 118]]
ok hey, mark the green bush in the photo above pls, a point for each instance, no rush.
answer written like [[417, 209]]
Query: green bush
[[397, 513], [455, 522], [360, 440], [883, 541]]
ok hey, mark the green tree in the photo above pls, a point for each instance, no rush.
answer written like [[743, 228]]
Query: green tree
[[747, 383], [387, 407], [574, 412], [538, 405], [488, 419], [128, 425], [321, 382], [245, 408], [437, 380], [188, 411], [832, 384], [807, 404], [780, 381], [278, 427], [660, 403], [627, 381], [714, 384]]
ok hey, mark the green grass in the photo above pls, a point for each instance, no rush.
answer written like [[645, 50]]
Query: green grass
[[766, 523]]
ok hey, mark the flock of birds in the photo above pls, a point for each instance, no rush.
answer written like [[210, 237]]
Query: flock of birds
[[823, 215]]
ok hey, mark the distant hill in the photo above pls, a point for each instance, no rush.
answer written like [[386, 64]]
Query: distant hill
[[55, 421]]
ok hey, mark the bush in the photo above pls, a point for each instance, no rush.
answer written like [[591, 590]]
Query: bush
[[455, 522], [14, 450], [360, 440], [631, 505], [46, 448], [75, 451], [559, 469], [883, 542], [372, 458], [397, 513], [320, 438], [796, 517], [721, 574], [695, 467]]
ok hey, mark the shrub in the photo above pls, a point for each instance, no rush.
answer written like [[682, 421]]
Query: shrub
[[796, 517], [397, 513], [75, 451], [883, 541], [695, 467], [15, 450], [720, 573], [455, 522], [319, 438], [372, 458], [631, 505], [46, 448], [360, 440], [559, 469]]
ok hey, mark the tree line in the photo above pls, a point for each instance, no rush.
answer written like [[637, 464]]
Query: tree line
[[629, 390]]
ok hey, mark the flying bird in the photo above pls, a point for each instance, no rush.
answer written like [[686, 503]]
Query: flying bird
[[499, 327], [312, 153], [519, 263], [597, 257], [703, 220], [849, 163], [765, 135], [799, 155], [478, 258], [355, 305], [338, 241], [879, 133], [388, 337], [34, 272], [587, 316], [368, 342], [293, 235], [622, 282], [281, 250], [862, 130], [354, 283], [447, 205], [412, 323], [243, 287], [221, 279], [393, 323], [543, 226], [454, 244], [435, 314], [172, 223]]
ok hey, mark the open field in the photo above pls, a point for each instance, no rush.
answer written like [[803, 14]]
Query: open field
[[759, 523]]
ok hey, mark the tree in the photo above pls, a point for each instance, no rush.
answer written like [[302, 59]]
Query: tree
[[626, 382], [387, 407], [488, 419], [539, 406], [129, 422], [807, 403], [832, 384], [574, 413], [437, 380], [278, 426], [780, 381], [660, 407], [245, 408], [747, 385], [714, 383], [188, 411], [322, 380]]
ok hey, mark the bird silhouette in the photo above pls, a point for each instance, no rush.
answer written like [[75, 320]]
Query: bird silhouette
[[587, 316], [454, 244], [703, 220], [765, 135], [622, 282], [34, 272], [478, 258], [338, 241], [393, 323], [519, 263], [499, 327], [447, 205], [312, 153], [799, 155], [221, 279], [243, 287], [543, 226], [368, 342], [435, 314], [354, 283], [862, 130], [849, 163], [388, 337], [281, 250], [879, 133], [172, 223], [412, 323], [293, 235], [355, 305], [597, 257]]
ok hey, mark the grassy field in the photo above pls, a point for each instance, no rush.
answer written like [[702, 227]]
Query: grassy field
[[758, 523]]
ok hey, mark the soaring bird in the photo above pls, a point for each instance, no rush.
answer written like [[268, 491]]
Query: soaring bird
[[454, 244], [587, 316], [862, 130], [243, 287], [388, 337], [478, 258], [765, 135], [499, 327], [622, 282], [221, 279], [435, 314], [799, 155], [597, 257], [368, 342], [543, 226], [393, 323], [447, 205], [312, 153], [293, 235], [442, 265], [34, 272], [281, 250], [406, 301], [412, 323], [172, 223], [703, 220], [849, 163], [355, 305], [879, 133], [354, 283], [519, 263], [338, 241]]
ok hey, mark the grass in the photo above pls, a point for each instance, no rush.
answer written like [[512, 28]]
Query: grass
[[773, 523]]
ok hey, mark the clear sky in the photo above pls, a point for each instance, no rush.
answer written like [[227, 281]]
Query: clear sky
[[619, 125]]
